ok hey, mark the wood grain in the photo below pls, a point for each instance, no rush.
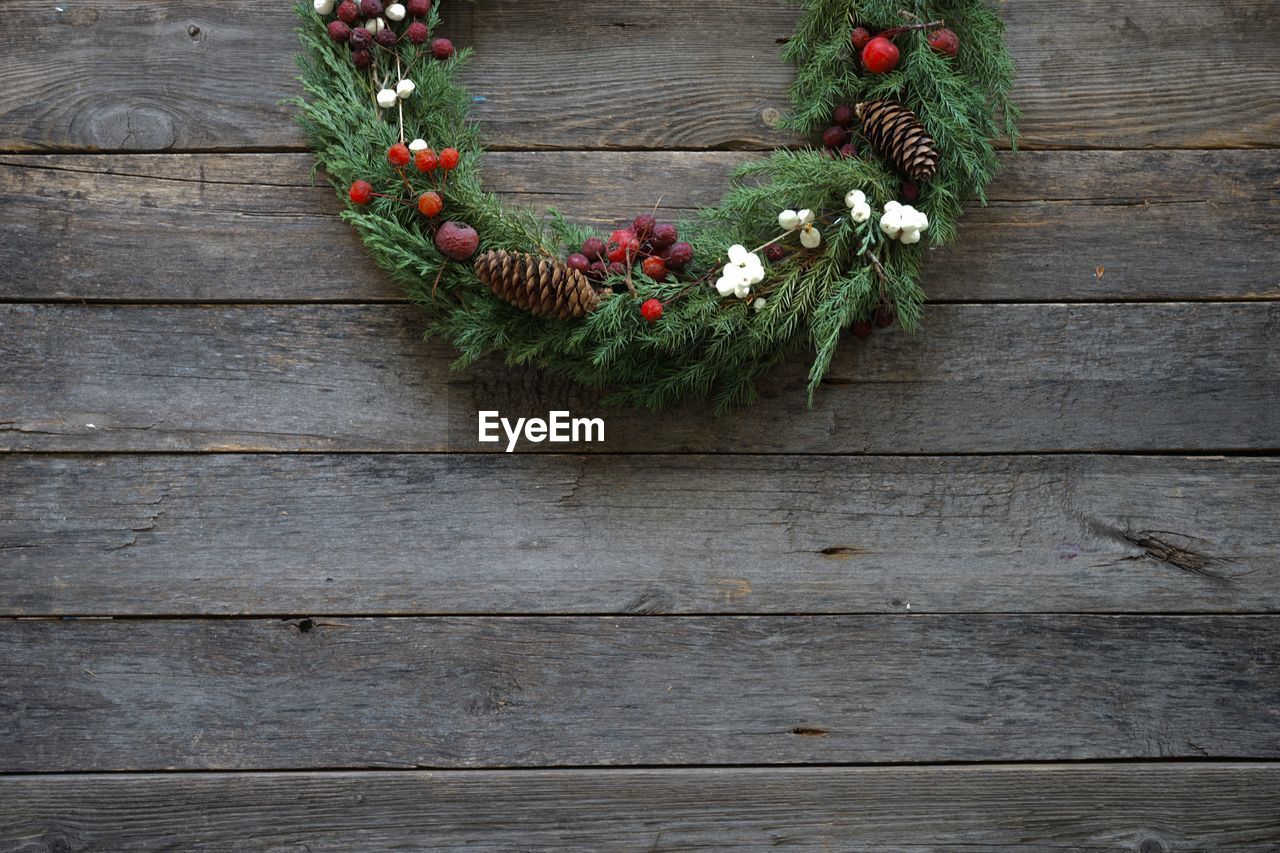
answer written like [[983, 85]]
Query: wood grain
[[1084, 377], [182, 535], [172, 228], [180, 74], [551, 691], [1146, 807]]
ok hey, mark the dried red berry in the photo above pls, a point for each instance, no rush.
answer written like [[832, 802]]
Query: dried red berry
[[361, 192], [386, 38], [418, 32], [398, 155], [426, 160], [362, 57], [371, 8], [664, 234], [616, 268], [442, 48], [844, 115], [457, 240], [651, 310], [859, 37], [593, 248], [418, 8], [678, 256], [835, 136], [430, 204], [775, 252], [643, 226], [849, 149], [360, 37], [449, 159], [655, 268], [339, 32], [598, 270], [578, 261], [910, 191], [348, 12], [945, 41]]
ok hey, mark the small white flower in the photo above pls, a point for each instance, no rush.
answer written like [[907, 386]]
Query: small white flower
[[759, 304], [810, 238], [405, 88], [323, 7], [395, 12], [418, 145], [855, 198], [790, 220], [387, 98], [743, 270]]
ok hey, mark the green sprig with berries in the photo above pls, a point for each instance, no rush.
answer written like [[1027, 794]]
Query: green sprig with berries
[[805, 246]]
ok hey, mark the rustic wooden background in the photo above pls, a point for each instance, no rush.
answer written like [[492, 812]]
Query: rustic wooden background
[[1012, 584]]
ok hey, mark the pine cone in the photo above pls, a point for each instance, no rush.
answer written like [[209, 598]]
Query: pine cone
[[899, 136], [539, 285]]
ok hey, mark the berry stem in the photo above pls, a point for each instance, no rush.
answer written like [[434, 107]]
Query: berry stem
[[897, 31], [400, 106]]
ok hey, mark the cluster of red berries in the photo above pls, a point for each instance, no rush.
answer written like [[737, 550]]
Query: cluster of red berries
[[366, 25], [654, 245], [879, 55], [838, 139], [429, 203], [881, 319]]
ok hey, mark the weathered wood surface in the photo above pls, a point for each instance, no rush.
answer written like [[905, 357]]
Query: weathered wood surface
[[558, 691], [1202, 376], [181, 74], [1145, 807], [1161, 224], [380, 534]]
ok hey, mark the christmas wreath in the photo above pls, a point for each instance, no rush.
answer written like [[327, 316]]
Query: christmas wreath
[[805, 244]]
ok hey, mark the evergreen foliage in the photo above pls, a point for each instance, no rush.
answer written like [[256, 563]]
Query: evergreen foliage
[[704, 346]]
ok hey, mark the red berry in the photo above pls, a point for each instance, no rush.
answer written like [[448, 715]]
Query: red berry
[[862, 329], [859, 37], [835, 136], [880, 56], [418, 8], [457, 240], [418, 32], [578, 261], [361, 58], [775, 252], [339, 32], [678, 256], [945, 41], [593, 248], [430, 204], [884, 317], [426, 160], [664, 234], [361, 192], [598, 270], [371, 8], [655, 268], [348, 12], [844, 115], [643, 226], [386, 38], [849, 149], [449, 159], [442, 48], [398, 155], [910, 190], [622, 243], [360, 37], [617, 268], [651, 310]]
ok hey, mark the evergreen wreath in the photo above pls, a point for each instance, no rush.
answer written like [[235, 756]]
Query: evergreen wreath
[[907, 95]]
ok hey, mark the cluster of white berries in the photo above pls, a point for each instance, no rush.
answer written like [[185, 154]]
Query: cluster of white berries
[[802, 221], [903, 223], [387, 97], [859, 208], [744, 271]]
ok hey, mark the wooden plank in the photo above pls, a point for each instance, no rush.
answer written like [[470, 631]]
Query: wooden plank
[[1146, 807], [1162, 224], [982, 379], [182, 74], [181, 535], [553, 691]]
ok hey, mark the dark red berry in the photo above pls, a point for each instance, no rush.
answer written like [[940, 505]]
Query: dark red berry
[[598, 270], [884, 317], [880, 56], [945, 41], [339, 32], [844, 115], [655, 268], [616, 268], [664, 234], [862, 329], [643, 226], [849, 149], [348, 12], [449, 159], [578, 261], [371, 8], [458, 240], [418, 32], [593, 248], [442, 48], [859, 37], [775, 252], [398, 155], [418, 8], [361, 192], [361, 57], [910, 190], [678, 256], [651, 310], [835, 136], [386, 38], [360, 37]]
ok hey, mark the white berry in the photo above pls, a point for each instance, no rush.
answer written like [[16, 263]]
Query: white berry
[[395, 12], [418, 145], [387, 98], [323, 7], [405, 88]]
